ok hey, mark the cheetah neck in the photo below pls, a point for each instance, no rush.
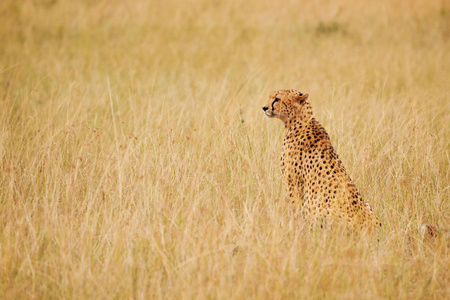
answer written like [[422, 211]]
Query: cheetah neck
[[299, 120], [302, 117]]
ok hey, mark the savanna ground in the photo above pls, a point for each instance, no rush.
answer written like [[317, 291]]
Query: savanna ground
[[136, 162]]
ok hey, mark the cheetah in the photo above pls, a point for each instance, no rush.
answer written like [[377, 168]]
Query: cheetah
[[318, 184]]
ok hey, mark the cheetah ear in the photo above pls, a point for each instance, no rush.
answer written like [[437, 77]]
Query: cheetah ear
[[302, 97]]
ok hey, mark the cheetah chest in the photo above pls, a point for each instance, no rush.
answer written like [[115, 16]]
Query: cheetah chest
[[291, 166]]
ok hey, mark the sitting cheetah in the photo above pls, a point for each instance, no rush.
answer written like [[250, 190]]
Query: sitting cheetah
[[317, 182]]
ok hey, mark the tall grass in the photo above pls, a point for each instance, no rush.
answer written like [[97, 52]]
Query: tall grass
[[136, 162]]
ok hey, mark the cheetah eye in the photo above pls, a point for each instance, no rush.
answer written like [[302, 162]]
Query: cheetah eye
[[276, 100], [300, 94]]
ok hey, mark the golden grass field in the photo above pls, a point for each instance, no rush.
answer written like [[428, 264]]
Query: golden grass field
[[136, 162]]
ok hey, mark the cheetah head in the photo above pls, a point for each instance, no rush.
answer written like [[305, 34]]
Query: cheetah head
[[285, 104]]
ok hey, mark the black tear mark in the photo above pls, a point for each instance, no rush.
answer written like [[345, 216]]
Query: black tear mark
[[276, 100]]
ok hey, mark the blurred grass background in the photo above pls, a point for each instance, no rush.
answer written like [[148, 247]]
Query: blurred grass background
[[136, 162]]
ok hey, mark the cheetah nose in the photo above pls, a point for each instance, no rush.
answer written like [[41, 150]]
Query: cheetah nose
[[265, 108]]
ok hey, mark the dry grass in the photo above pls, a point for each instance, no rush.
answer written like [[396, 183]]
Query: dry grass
[[136, 162]]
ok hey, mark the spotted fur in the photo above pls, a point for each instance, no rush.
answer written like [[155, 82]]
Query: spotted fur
[[317, 182]]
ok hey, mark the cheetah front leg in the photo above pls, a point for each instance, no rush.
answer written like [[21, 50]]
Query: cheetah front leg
[[295, 192]]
